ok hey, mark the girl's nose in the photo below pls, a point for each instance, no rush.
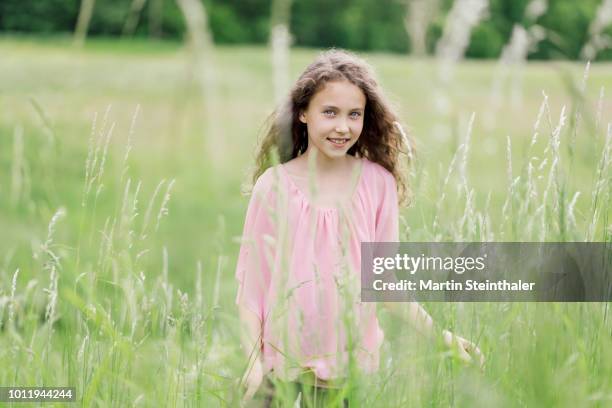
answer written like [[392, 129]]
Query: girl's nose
[[342, 128]]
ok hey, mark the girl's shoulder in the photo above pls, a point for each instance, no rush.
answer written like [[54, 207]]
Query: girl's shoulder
[[266, 181], [269, 181], [379, 183], [376, 173]]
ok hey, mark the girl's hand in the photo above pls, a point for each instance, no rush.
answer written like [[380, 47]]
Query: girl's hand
[[252, 380], [467, 351]]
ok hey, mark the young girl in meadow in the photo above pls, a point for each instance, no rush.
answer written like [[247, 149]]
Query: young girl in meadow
[[339, 183]]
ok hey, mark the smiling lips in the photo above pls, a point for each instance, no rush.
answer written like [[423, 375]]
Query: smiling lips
[[338, 142]]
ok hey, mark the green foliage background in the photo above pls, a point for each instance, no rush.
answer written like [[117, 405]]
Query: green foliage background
[[365, 25]]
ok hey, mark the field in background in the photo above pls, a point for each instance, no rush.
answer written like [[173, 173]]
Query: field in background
[[117, 259]]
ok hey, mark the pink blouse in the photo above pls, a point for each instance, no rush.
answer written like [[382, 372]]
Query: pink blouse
[[299, 271]]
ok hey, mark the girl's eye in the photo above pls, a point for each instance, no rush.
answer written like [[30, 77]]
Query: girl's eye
[[355, 114], [328, 112]]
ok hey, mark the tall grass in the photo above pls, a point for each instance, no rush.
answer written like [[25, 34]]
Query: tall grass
[[95, 291]]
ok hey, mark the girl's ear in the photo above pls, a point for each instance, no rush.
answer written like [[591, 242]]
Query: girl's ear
[[302, 117]]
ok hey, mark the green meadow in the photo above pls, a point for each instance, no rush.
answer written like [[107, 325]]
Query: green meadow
[[121, 211]]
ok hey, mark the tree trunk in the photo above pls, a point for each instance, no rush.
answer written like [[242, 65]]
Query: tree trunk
[[419, 15], [133, 17], [201, 47], [280, 40], [85, 13], [156, 16]]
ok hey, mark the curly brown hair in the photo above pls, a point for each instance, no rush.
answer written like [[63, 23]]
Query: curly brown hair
[[382, 139]]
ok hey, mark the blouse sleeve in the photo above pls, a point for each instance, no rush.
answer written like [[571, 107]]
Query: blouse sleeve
[[387, 214], [253, 269]]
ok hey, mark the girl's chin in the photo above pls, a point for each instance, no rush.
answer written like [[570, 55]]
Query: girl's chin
[[330, 151], [336, 150]]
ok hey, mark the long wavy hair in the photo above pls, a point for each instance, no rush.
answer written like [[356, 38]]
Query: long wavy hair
[[382, 139]]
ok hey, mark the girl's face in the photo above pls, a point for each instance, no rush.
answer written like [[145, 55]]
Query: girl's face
[[334, 118]]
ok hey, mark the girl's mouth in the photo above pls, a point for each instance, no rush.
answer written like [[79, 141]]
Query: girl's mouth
[[338, 142]]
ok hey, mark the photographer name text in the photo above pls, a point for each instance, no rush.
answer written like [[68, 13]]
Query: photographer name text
[[451, 285]]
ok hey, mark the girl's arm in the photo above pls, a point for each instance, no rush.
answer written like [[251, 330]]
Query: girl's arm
[[253, 274], [387, 230], [424, 324], [250, 334]]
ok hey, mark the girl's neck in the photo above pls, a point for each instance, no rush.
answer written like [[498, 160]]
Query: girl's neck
[[324, 164]]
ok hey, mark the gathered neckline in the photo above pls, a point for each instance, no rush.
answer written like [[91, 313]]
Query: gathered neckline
[[306, 197]]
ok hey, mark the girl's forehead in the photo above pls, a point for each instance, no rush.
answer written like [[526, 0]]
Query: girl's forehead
[[341, 93]]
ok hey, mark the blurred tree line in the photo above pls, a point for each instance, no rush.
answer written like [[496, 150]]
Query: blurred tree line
[[356, 24]]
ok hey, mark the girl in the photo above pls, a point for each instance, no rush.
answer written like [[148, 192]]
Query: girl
[[339, 183]]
